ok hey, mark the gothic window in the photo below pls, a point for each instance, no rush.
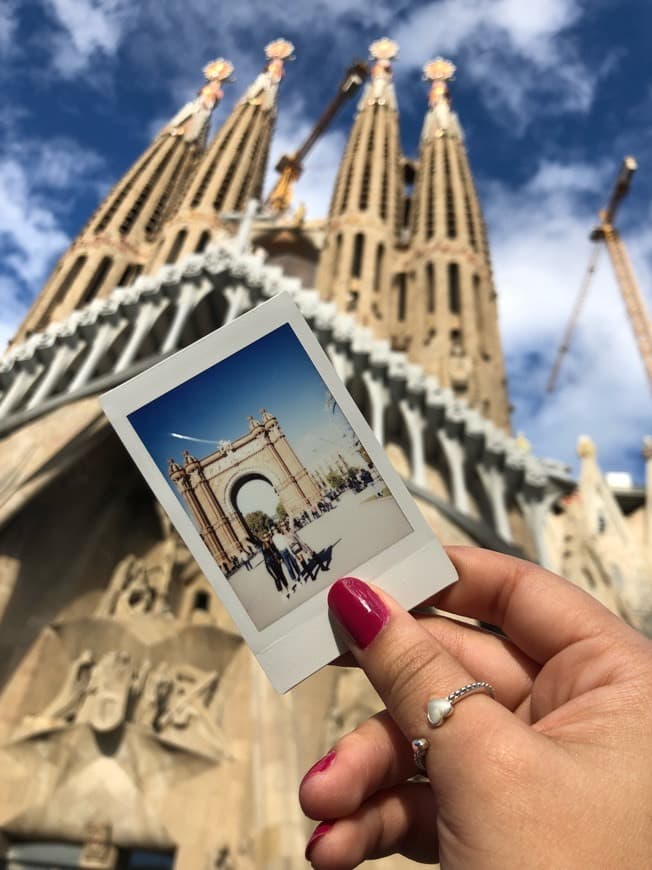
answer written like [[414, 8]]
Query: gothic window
[[202, 244], [130, 274], [129, 182], [366, 175], [430, 188], [218, 202], [95, 284], [153, 225], [384, 192], [336, 258], [454, 288], [378, 268], [479, 314], [349, 175], [401, 285], [64, 287], [145, 193], [251, 178], [469, 221], [210, 172], [201, 602], [70, 278], [430, 287], [358, 253], [451, 222], [175, 250]]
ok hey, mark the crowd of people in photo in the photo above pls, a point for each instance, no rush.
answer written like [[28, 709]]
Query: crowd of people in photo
[[289, 559]]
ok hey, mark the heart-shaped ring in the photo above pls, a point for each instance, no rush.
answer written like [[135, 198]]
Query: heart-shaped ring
[[438, 710]]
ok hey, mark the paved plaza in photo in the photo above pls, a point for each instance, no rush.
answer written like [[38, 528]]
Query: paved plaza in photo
[[359, 527]]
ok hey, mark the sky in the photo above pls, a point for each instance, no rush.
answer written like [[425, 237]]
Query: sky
[[274, 373], [551, 96]]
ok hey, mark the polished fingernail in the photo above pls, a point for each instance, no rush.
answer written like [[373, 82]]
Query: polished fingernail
[[358, 608], [321, 829], [320, 766]]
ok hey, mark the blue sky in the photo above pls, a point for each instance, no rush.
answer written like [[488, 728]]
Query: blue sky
[[551, 96], [274, 373]]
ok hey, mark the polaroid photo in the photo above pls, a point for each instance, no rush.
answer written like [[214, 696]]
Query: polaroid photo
[[276, 483]]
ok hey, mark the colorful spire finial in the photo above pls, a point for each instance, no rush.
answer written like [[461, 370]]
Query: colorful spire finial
[[215, 72], [438, 71], [384, 49]]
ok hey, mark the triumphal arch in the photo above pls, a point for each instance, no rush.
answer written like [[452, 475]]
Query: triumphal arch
[[210, 486]]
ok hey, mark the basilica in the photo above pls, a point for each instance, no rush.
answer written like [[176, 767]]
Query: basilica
[[136, 730]]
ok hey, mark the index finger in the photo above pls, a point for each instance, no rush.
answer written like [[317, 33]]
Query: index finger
[[539, 611]]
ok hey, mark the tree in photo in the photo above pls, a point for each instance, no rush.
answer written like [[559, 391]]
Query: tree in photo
[[281, 513], [335, 479], [259, 523]]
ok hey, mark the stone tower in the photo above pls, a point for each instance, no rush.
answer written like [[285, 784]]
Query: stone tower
[[114, 246], [447, 316], [232, 170], [366, 209]]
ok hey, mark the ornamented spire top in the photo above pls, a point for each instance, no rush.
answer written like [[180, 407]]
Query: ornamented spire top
[[440, 120], [193, 117], [438, 71], [265, 88], [381, 90]]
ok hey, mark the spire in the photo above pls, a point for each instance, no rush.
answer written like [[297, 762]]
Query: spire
[[113, 247], [232, 170], [366, 209], [447, 319]]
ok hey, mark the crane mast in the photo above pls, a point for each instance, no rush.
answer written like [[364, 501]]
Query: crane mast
[[631, 293], [290, 166]]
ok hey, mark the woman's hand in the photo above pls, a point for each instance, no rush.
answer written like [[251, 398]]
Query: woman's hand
[[556, 772]]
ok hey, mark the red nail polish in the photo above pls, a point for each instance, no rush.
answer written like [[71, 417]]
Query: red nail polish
[[321, 829], [320, 766], [358, 608]]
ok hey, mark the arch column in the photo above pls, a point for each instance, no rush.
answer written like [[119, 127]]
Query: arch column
[[454, 453], [415, 425], [99, 345], [495, 487], [184, 306], [378, 400], [147, 314], [20, 385]]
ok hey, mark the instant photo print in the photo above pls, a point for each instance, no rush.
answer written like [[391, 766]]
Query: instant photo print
[[276, 483]]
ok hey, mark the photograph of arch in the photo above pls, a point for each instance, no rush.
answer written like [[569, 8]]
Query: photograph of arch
[[273, 476]]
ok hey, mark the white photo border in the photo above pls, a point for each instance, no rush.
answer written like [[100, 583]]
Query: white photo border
[[411, 569]]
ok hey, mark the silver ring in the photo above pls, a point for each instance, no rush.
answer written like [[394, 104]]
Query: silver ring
[[439, 709], [419, 749]]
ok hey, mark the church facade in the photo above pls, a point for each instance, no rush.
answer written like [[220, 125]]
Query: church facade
[[135, 728]]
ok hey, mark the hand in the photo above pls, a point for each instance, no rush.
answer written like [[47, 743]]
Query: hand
[[554, 773]]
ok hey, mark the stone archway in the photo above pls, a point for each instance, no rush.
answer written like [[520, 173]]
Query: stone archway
[[236, 487], [209, 485]]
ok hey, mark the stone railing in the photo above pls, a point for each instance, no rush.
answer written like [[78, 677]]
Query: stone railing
[[113, 338]]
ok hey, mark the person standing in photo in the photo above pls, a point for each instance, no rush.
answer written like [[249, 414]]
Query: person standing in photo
[[292, 533], [273, 563], [282, 544]]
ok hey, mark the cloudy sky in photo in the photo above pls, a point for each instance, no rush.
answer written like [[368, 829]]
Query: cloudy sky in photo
[[551, 96]]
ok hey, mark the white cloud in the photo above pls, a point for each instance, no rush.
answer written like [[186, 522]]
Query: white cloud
[[541, 249], [516, 53], [8, 26], [87, 28], [32, 234]]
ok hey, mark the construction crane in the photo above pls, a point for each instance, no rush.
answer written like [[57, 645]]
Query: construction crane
[[290, 166], [632, 296]]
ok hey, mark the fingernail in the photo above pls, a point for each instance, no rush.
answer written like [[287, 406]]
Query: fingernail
[[358, 608], [321, 829], [320, 766]]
